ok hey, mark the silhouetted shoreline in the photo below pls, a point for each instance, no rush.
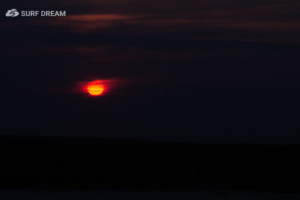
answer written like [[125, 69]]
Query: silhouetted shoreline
[[97, 163]]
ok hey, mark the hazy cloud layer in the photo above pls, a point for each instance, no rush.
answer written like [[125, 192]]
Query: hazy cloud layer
[[208, 41]]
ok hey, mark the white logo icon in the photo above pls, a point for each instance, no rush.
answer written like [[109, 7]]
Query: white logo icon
[[12, 13]]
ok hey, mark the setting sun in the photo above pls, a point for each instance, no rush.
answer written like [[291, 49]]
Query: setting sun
[[95, 88]]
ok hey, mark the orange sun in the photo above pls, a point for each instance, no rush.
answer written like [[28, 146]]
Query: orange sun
[[95, 88]]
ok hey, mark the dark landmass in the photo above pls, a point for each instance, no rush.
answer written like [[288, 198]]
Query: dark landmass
[[97, 163]]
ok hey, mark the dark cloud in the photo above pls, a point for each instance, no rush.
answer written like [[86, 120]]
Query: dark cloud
[[150, 6]]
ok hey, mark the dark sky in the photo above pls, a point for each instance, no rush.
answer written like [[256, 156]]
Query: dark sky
[[197, 71]]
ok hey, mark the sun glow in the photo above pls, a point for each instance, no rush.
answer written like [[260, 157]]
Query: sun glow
[[99, 87], [95, 88]]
